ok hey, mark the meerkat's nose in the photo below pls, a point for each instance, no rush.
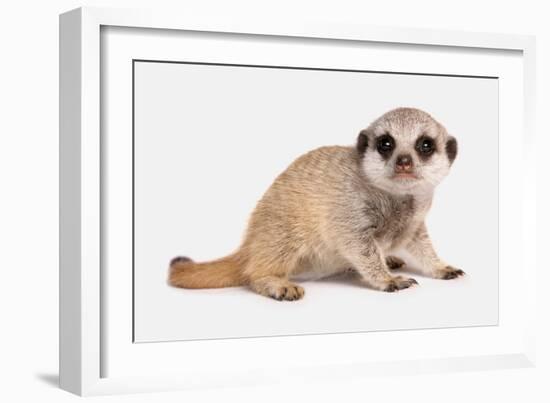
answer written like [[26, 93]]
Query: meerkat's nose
[[404, 163]]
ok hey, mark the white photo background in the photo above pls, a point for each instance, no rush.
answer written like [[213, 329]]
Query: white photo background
[[208, 142]]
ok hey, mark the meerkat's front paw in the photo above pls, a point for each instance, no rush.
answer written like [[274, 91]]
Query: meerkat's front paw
[[399, 283], [394, 262], [448, 273]]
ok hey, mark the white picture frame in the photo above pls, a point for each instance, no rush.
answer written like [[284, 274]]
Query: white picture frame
[[97, 353]]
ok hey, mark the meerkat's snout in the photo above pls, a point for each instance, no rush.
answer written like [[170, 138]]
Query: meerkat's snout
[[404, 167]]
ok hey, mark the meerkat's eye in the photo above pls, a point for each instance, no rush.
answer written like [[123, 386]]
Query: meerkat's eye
[[385, 144], [425, 145]]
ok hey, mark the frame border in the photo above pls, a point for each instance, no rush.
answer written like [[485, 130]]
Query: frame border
[[80, 242]]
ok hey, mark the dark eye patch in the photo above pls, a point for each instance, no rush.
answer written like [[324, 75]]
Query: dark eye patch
[[385, 144], [425, 146]]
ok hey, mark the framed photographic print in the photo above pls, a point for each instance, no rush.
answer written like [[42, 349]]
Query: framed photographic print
[[238, 196]]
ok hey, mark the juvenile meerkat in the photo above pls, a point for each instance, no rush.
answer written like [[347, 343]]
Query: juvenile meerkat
[[339, 207]]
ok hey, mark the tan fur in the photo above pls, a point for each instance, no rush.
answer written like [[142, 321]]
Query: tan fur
[[326, 213]]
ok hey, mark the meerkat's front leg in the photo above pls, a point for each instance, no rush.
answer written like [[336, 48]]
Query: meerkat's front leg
[[367, 259], [421, 248]]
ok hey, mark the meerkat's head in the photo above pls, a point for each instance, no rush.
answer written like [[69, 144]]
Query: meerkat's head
[[406, 151]]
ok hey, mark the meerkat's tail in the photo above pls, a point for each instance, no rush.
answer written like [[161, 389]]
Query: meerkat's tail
[[224, 272]]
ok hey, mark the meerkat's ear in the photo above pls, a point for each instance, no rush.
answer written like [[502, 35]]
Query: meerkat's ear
[[451, 148], [362, 141]]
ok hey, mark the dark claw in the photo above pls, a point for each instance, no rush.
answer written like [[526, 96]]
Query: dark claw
[[413, 281], [391, 287], [453, 273]]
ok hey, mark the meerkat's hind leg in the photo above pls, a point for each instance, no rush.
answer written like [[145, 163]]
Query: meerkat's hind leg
[[394, 262], [277, 288]]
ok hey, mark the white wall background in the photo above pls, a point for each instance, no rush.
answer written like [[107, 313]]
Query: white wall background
[[220, 121], [29, 213]]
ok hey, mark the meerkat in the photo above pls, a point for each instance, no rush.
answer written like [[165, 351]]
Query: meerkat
[[336, 208]]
